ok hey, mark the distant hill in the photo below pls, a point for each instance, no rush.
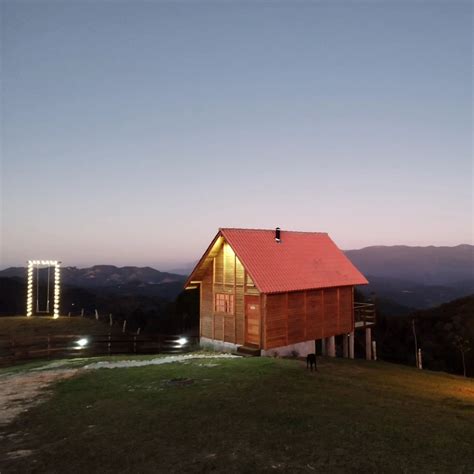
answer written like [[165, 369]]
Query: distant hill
[[404, 278], [412, 295], [446, 266], [105, 276], [140, 293]]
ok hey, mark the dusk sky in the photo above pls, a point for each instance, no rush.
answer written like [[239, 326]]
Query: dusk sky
[[132, 131]]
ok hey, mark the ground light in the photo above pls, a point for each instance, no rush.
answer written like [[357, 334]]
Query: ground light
[[181, 341], [82, 343]]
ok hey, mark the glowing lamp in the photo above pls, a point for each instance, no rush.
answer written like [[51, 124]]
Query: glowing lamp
[[82, 343], [181, 341]]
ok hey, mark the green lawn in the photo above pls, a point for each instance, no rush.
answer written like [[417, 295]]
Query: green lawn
[[249, 415]]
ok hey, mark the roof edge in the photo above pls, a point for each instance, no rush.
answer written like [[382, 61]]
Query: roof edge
[[201, 260]]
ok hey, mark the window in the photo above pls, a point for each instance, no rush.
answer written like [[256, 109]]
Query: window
[[224, 303]]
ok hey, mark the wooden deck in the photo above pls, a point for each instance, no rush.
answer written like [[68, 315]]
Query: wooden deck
[[364, 315]]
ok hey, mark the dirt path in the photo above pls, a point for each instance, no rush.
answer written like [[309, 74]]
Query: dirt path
[[19, 392]]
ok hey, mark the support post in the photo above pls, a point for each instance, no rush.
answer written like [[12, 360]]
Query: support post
[[351, 345], [332, 346], [345, 346], [374, 350], [368, 343], [323, 347]]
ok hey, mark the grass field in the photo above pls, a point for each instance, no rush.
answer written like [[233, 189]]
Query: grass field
[[12, 326], [249, 415]]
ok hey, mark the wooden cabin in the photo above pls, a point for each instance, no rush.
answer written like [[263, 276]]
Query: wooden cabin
[[274, 291]]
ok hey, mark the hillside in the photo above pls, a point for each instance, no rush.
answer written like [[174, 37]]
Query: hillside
[[246, 415], [437, 330]]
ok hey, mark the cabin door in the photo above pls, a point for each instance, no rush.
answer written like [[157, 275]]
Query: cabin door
[[252, 320]]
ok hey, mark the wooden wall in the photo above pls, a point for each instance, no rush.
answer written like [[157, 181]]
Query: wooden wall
[[305, 315], [225, 275]]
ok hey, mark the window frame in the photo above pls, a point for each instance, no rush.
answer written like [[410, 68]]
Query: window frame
[[224, 303]]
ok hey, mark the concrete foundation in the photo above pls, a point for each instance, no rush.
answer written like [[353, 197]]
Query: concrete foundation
[[216, 345], [302, 348]]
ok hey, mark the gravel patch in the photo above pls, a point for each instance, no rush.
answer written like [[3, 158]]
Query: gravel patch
[[121, 364]]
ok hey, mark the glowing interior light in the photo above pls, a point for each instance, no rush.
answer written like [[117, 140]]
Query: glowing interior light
[[182, 341], [82, 342]]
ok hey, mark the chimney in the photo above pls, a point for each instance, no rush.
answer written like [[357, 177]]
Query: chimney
[[277, 235]]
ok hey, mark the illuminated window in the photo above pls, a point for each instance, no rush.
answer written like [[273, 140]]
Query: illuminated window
[[224, 303]]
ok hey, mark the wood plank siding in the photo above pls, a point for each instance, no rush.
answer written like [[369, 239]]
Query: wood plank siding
[[226, 275], [299, 316]]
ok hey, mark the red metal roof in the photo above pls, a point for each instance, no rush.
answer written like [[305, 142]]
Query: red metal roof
[[303, 260]]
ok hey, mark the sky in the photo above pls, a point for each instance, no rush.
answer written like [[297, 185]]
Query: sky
[[132, 131]]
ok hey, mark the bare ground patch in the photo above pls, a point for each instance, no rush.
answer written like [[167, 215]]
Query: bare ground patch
[[20, 392]]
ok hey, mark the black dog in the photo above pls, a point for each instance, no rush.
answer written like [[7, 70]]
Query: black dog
[[310, 361]]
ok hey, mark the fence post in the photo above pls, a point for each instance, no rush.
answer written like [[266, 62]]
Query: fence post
[[109, 343], [110, 319], [374, 350], [82, 312], [124, 326], [96, 315], [420, 362]]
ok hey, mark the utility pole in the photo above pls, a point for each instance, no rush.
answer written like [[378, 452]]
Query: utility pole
[[416, 343]]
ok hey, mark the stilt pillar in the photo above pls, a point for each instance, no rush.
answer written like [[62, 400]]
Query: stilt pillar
[[368, 343], [323, 347], [351, 345], [331, 343], [345, 346]]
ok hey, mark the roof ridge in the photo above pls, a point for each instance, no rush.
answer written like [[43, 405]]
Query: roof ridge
[[273, 230]]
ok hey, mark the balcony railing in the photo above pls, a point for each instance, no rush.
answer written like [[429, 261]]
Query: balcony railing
[[364, 314]]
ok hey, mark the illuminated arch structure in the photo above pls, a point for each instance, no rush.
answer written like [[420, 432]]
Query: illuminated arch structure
[[32, 264]]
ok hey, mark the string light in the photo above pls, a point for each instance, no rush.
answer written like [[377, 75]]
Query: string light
[[57, 285]]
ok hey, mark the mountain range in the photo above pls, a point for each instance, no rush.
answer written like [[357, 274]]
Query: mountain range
[[423, 265], [402, 278], [105, 276]]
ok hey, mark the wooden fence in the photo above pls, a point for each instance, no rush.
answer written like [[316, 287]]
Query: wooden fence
[[14, 349]]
